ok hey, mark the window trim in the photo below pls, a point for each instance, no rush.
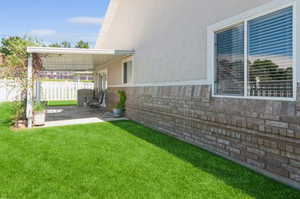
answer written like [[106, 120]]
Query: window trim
[[244, 18], [128, 59]]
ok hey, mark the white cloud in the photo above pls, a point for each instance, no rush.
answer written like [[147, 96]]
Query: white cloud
[[43, 32], [86, 20]]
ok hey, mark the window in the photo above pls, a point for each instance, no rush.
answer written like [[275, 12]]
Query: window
[[230, 61], [255, 57], [127, 72]]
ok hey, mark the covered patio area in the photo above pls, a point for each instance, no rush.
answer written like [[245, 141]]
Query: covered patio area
[[71, 115], [70, 59]]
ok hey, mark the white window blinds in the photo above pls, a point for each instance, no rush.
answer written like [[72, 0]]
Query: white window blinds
[[268, 42], [270, 66], [230, 61]]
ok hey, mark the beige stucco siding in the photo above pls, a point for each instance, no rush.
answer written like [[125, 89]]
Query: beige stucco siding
[[114, 71], [169, 36]]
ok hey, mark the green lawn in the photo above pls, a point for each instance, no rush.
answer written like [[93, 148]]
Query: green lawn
[[62, 103], [119, 160]]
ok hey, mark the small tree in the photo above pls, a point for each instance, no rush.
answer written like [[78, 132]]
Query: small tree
[[55, 45], [66, 44], [82, 44], [14, 50]]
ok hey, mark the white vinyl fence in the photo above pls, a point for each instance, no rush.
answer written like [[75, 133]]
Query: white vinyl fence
[[62, 90], [9, 91], [47, 90]]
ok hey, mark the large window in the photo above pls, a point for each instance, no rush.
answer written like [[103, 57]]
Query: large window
[[255, 58]]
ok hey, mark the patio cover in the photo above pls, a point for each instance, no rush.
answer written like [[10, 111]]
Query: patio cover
[[76, 59], [69, 59]]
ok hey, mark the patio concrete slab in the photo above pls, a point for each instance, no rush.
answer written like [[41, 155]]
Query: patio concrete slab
[[79, 121], [73, 115]]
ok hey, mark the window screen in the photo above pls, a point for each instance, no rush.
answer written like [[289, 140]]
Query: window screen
[[229, 49], [270, 47]]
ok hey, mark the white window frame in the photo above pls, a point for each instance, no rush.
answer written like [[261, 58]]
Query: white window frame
[[128, 59], [244, 18]]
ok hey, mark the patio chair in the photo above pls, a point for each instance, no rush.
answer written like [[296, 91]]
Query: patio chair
[[97, 102]]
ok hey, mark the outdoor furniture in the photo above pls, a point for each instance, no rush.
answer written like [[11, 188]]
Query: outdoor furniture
[[98, 102], [84, 96]]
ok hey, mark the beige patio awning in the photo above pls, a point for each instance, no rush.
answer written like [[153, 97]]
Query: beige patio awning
[[76, 59]]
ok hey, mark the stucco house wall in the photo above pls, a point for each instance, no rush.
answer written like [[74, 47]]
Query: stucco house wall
[[169, 36], [172, 91], [114, 71]]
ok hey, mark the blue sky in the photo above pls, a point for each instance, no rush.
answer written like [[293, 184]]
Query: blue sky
[[53, 20]]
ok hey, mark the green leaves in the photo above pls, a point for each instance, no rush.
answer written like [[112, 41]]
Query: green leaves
[[66, 44], [122, 100], [82, 44], [16, 46], [39, 106]]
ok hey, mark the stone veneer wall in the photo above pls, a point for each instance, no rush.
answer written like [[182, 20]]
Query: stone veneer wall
[[261, 134]]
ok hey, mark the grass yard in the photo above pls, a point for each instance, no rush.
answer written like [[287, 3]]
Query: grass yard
[[119, 160], [62, 103]]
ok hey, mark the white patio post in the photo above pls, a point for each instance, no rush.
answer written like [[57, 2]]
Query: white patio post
[[29, 112]]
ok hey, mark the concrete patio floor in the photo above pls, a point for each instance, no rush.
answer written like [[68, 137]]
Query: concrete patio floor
[[72, 115]]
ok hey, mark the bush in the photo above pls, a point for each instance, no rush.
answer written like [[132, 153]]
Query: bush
[[39, 106], [17, 112], [122, 100]]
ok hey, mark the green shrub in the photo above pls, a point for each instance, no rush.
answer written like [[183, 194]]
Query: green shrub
[[18, 110], [122, 100], [39, 106]]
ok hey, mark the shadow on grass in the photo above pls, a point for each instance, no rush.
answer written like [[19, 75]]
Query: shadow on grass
[[6, 115], [6, 123], [232, 174]]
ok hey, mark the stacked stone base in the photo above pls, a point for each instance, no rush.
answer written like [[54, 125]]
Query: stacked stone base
[[261, 134]]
